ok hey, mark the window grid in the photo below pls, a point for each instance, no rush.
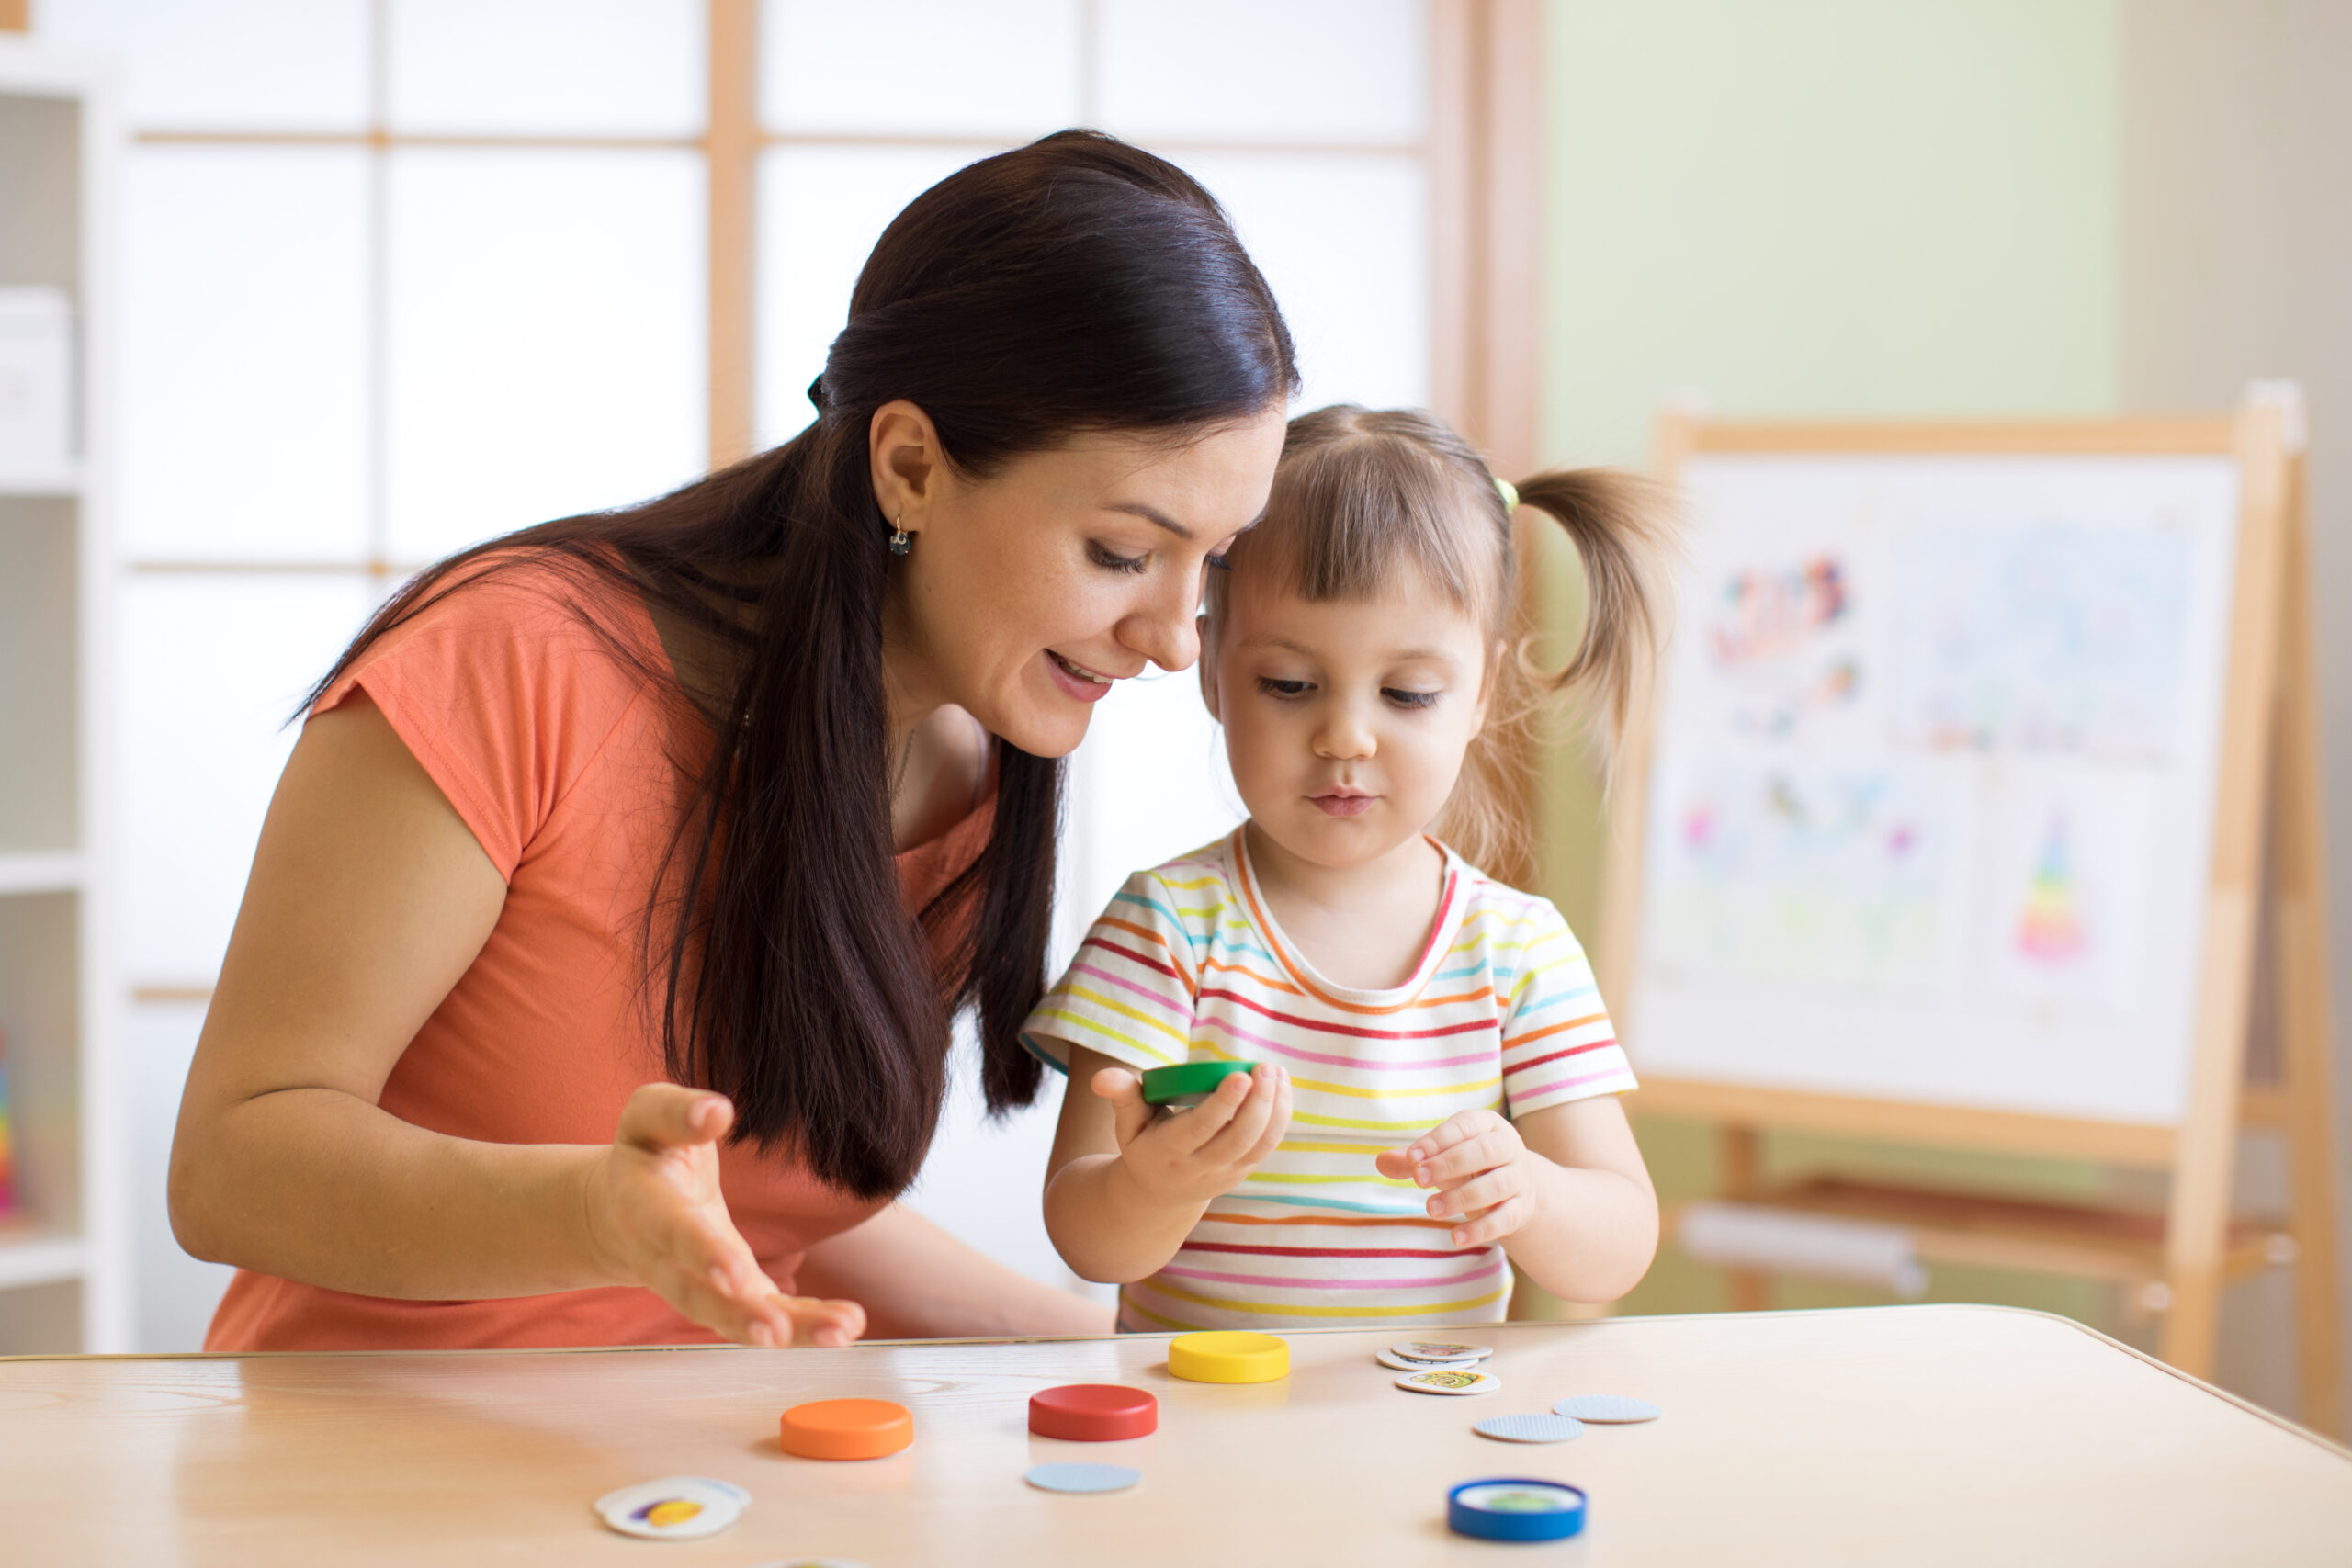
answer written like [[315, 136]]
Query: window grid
[[1476, 149]]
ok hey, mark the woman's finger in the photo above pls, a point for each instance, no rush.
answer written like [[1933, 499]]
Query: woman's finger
[[818, 1321], [664, 1116], [758, 1320]]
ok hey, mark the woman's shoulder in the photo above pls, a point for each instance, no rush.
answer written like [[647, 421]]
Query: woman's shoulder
[[508, 681], [526, 623]]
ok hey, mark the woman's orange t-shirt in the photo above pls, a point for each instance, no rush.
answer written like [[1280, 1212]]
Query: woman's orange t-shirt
[[566, 764]]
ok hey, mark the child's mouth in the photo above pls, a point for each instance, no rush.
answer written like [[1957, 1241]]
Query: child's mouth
[[1337, 804]]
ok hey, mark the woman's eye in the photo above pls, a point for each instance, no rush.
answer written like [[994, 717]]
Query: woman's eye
[[1217, 563], [1113, 561], [1275, 688], [1405, 699]]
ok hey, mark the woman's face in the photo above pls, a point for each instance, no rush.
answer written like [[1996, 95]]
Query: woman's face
[[1024, 594]]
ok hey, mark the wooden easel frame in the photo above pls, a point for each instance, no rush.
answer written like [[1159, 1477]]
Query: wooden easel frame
[[2266, 851]]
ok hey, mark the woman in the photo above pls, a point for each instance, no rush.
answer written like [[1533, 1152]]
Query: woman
[[745, 791]]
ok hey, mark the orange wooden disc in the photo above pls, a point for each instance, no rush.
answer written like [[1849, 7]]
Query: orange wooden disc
[[847, 1428]]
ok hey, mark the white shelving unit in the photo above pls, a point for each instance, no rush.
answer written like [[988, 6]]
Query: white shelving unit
[[63, 1255]]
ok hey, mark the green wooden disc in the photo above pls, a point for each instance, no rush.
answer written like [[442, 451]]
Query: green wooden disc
[[1186, 1080]]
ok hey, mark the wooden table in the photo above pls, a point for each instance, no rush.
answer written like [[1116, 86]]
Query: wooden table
[[1897, 1435]]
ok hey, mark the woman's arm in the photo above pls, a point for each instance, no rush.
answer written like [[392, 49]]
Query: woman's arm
[[916, 1281], [1563, 1189], [369, 899], [1126, 1184]]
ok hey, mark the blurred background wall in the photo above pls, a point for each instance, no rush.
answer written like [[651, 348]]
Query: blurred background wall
[[397, 274], [2003, 207]]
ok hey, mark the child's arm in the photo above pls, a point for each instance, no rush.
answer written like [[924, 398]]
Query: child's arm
[[1126, 1185], [1563, 1189]]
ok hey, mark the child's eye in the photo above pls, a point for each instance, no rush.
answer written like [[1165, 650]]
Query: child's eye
[[1217, 563], [1113, 561], [1405, 699], [1275, 688]]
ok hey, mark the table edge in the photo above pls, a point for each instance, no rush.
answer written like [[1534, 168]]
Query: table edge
[[2295, 1428]]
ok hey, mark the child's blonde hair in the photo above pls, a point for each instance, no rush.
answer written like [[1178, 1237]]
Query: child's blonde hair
[[1363, 494]]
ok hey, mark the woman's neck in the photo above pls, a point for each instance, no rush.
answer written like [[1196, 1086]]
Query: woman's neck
[[1365, 926]]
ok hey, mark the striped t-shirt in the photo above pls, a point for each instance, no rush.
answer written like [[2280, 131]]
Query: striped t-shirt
[[1501, 1013]]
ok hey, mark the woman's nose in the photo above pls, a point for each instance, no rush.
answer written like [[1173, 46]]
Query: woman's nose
[[1163, 629]]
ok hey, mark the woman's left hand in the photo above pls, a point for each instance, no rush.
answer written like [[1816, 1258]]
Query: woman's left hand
[[1481, 1172]]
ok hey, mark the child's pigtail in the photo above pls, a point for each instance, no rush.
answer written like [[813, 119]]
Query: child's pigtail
[[1622, 525]]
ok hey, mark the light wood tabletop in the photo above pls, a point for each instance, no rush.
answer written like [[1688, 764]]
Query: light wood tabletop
[[1912, 1435]]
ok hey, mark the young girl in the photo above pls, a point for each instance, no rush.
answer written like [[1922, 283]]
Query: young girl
[[1435, 1079]]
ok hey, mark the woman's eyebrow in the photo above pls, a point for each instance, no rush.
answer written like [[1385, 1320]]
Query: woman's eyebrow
[[1149, 514]]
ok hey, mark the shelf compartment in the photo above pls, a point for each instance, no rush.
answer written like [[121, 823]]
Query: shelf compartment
[[30, 1256], [41, 872]]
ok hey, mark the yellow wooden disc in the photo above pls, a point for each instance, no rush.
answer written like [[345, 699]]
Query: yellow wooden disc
[[1228, 1357]]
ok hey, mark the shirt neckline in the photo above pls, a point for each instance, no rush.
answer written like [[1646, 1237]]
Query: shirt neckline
[[1443, 927]]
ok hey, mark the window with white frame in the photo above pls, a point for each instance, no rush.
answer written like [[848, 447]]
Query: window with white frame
[[399, 275]]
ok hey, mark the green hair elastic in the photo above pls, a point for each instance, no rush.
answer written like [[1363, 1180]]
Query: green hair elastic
[[1509, 493]]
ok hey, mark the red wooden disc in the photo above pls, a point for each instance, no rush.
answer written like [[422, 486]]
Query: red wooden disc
[[1092, 1412]]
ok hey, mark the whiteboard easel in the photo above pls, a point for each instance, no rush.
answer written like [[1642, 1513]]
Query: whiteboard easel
[[2257, 800]]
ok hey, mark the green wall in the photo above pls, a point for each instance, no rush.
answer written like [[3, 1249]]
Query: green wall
[[1819, 207]]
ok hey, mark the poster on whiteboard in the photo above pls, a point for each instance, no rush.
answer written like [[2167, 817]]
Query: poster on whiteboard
[[1932, 778]]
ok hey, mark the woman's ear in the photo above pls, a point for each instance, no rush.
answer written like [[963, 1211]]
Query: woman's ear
[[908, 465], [1208, 668]]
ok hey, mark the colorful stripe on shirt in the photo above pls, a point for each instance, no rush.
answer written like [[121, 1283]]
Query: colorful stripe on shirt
[[1501, 1013]]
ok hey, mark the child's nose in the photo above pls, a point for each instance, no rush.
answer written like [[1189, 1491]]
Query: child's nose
[[1345, 737]]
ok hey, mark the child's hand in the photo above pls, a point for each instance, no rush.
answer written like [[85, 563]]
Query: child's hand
[[1191, 1157], [1478, 1166]]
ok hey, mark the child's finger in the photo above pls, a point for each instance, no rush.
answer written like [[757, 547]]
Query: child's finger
[[1460, 1126], [1248, 1123], [1124, 1090], [1277, 1124], [1189, 1133], [1469, 1159], [1492, 1188], [1496, 1222]]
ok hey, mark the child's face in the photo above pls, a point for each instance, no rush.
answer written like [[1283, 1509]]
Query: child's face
[[1346, 721]]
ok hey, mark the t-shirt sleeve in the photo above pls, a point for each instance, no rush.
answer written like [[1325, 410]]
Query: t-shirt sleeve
[[503, 693], [1129, 991], [1558, 1044]]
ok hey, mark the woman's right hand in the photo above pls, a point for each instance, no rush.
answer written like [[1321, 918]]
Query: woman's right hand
[[1190, 1156], [655, 1217]]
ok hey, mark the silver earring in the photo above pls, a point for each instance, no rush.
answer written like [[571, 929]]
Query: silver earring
[[901, 541]]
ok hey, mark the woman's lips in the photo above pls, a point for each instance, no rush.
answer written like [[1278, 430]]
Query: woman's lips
[[1338, 805], [1075, 685]]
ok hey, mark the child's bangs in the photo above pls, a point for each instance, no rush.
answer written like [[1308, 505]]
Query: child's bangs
[[1352, 518]]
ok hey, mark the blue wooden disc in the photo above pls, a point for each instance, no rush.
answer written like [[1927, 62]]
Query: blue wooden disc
[[1075, 1477], [1513, 1508], [1530, 1428]]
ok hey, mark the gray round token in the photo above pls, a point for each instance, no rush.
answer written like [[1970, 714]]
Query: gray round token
[[1082, 1477], [1530, 1428], [1607, 1408]]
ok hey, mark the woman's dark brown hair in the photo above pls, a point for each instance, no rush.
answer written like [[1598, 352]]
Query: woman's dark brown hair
[[1077, 284]]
